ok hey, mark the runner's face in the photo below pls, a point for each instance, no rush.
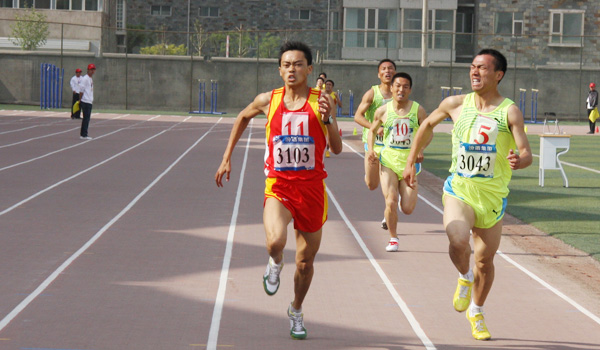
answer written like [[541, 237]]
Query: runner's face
[[483, 74], [294, 68], [401, 89], [386, 72], [328, 87]]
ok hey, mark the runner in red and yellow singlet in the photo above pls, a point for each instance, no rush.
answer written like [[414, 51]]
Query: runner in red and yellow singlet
[[299, 122]]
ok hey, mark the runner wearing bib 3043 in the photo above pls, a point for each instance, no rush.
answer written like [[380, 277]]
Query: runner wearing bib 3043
[[480, 145]]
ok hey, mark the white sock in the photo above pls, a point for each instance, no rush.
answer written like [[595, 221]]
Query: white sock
[[475, 309], [294, 310], [469, 276], [272, 262]]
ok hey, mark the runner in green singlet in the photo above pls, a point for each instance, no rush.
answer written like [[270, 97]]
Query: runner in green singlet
[[400, 118], [375, 97], [487, 130]]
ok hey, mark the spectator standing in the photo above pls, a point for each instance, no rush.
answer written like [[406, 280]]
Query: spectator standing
[[86, 98], [76, 88], [592, 102]]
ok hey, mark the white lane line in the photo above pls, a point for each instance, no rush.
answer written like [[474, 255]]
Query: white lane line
[[215, 324], [56, 133], [386, 281], [575, 165], [78, 144], [520, 267], [536, 278], [9, 209], [54, 275]]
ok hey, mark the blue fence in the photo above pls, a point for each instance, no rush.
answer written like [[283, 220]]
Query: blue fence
[[51, 82]]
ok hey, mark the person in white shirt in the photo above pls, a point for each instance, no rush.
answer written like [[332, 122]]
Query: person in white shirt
[[76, 90], [86, 98]]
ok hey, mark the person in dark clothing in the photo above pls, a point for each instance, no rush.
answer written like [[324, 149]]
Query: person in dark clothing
[[591, 103]]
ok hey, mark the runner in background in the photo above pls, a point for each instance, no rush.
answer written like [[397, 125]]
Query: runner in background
[[375, 97]]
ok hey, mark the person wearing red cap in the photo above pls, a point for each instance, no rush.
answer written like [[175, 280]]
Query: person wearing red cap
[[86, 98], [75, 81], [591, 104]]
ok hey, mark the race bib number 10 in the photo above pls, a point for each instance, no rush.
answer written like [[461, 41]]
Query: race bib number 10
[[400, 134]]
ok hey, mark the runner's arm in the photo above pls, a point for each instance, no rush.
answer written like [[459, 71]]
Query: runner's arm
[[364, 105], [449, 107], [377, 122], [327, 108], [258, 106], [516, 124]]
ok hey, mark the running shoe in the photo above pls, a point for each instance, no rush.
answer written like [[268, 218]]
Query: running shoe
[[392, 245], [478, 327], [271, 277], [327, 155], [462, 296], [297, 330], [384, 224]]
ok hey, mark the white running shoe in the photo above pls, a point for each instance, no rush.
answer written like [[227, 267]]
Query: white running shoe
[[271, 277], [85, 137], [392, 245], [297, 330]]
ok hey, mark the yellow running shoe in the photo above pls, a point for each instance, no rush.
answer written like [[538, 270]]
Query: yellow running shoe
[[327, 155], [478, 327], [462, 296]]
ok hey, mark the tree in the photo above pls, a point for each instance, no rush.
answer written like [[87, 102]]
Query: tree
[[137, 37], [164, 49], [30, 30]]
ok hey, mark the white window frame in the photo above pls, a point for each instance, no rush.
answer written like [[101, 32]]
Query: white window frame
[[53, 5], [513, 25], [371, 27], [559, 31], [121, 16], [210, 11], [299, 12], [432, 31], [161, 14]]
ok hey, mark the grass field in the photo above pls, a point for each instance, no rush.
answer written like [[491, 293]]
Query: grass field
[[571, 214]]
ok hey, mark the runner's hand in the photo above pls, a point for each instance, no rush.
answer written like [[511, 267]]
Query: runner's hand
[[324, 108], [409, 175], [224, 168], [513, 160]]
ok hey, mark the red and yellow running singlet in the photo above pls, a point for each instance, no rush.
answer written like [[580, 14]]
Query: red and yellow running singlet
[[295, 140]]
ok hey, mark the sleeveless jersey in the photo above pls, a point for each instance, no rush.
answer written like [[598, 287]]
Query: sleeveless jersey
[[333, 97], [295, 140], [480, 145], [398, 135], [378, 101]]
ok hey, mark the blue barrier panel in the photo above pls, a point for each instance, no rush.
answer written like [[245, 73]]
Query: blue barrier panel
[[214, 91], [51, 81]]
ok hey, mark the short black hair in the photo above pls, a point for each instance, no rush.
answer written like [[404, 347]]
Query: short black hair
[[402, 75], [323, 74], [384, 61], [296, 46], [320, 78], [500, 62], [330, 81]]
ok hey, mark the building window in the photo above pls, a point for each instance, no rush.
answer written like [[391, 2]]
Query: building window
[[77, 5], [441, 26], [566, 27], [371, 28], [206, 11], [159, 10], [120, 14], [303, 15], [509, 23], [6, 3]]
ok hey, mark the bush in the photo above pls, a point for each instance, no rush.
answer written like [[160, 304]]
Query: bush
[[30, 31]]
